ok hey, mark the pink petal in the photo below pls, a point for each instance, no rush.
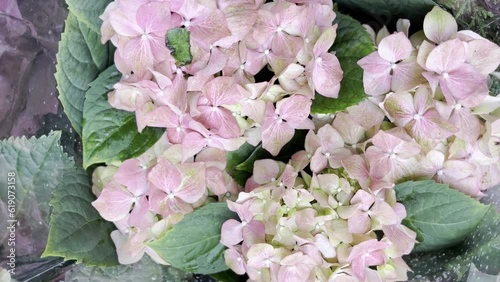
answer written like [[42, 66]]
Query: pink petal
[[465, 82], [114, 202], [446, 57], [154, 17], [407, 76], [264, 171], [294, 110], [165, 176], [235, 261], [133, 174], [193, 182], [231, 233], [376, 76], [326, 75], [359, 223], [395, 47], [483, 55], [325, 41], [439, 25]]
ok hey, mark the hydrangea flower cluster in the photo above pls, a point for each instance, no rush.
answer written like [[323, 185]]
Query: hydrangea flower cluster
[[433, 88], [320, 227], [216, 101], [210, 106], [147, 195], [330, 212]]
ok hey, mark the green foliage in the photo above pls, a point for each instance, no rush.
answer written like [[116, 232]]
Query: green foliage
[[193, 244], [88, 12], [110, 134], [80, 59], [477, 258], [77, 231], [441, 216], [352, 43], [178, 42], [240, 162]]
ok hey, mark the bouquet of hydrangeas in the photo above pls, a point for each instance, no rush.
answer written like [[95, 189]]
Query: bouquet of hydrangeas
[[277, 141]]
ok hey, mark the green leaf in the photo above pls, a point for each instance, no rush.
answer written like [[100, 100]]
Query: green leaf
[[80, 59], [352, 43], [37, 164], [110, 134], [144, 270], [88, 12], [475, 259], [441, 216], [178, 42], [193, 244], [386, 10], [240, 162], [77, 231], [235, 158]]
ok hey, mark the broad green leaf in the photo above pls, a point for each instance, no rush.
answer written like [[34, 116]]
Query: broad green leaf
[[240, 162], [352, 43], [178, 42], [384, 11], [77, 231], [88, 12], [38, 165], [193, 244], [441, 216], [476, 259], [80, 59], [110, 134], [144, 270]]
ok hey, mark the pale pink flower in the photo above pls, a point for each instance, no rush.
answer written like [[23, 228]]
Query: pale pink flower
[[279, 123], [219, 92], [323, 71], [416, 113], [296, 267], [331, 150], [391, 67], [176, 186], [143, 32], [458, 80], [365, 254], [390, 154], [250, 230], [206, 25]]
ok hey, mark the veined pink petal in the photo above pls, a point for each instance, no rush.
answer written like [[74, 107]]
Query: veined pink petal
[[406, 76], [235, 261], [133, 174], [265, 171], [276, 136], [483, 55], [395, 47], [439, 25], [325, 41], [464, 82], [295, 268], [446, 57], [154, 17], [294, 110], [376, 77], [193, 182], [114, 202], [231, 233], [359, 223], [326, 75], [165, 176]]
